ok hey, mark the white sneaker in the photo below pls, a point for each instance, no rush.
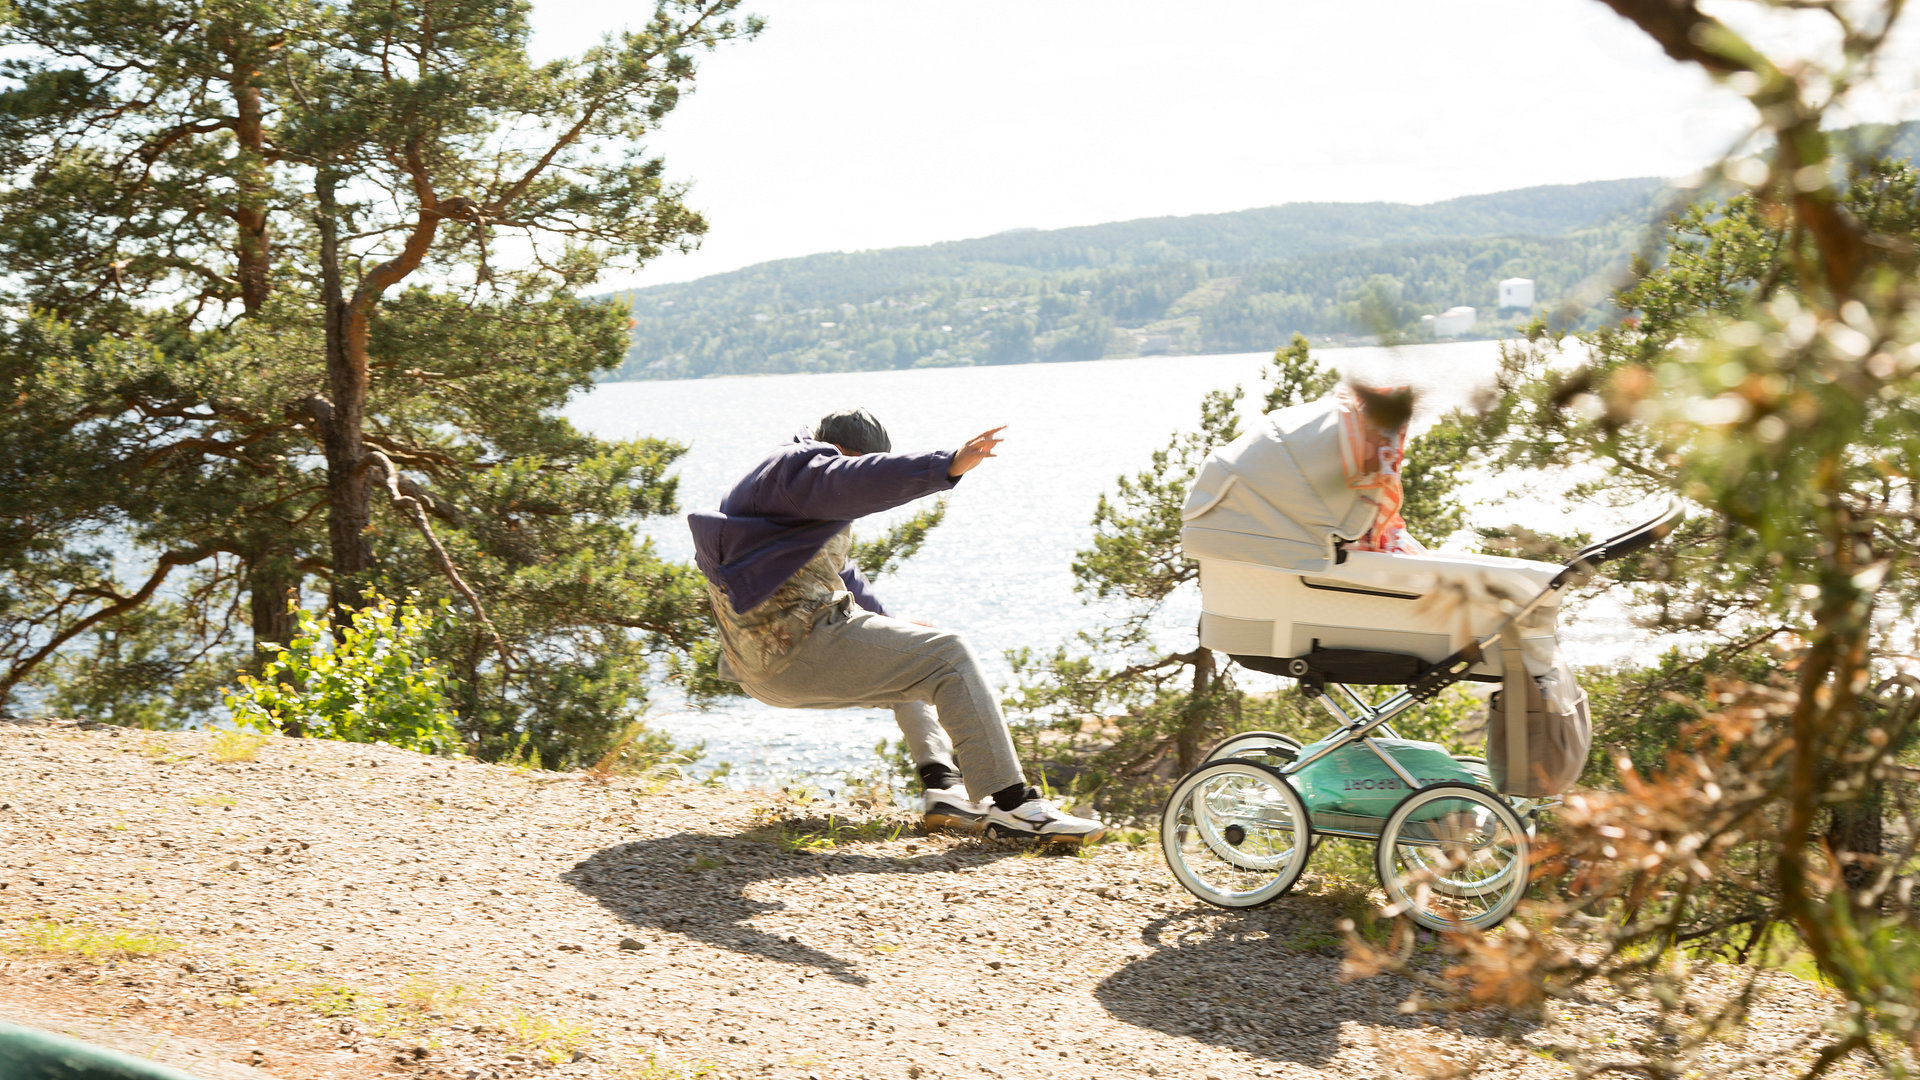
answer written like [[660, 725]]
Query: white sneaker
[[1038, 819], [949, 808]]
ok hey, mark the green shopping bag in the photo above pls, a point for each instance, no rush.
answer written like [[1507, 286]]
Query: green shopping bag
[[1353, 779]]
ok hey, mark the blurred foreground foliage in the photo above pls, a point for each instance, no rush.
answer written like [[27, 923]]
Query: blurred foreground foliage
[[1758, 800], [1754, 795]]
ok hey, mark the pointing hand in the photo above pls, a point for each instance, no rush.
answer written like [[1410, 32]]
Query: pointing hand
[[977, 449]]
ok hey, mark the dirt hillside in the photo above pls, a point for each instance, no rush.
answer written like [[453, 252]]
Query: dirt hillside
[[340, 910]]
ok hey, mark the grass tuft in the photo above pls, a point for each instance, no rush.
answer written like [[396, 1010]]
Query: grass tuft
[[160, 751], [337, 999], [813, 834], [434, 997], [229, 747], [656, 1068], [642, 754], [407, 1011], [554, 1039], [57, 938]]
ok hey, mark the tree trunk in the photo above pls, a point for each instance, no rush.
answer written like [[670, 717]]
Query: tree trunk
[[272, 590], [1855, 835], [341, 418], [1193, 725], [253, 254]]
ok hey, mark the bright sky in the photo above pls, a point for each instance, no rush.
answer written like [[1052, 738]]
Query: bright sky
[[855, 124]]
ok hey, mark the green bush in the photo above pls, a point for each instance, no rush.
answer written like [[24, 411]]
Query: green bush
[[371, 681]]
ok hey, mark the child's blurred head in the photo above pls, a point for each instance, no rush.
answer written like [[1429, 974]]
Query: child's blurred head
[[1387, 408]]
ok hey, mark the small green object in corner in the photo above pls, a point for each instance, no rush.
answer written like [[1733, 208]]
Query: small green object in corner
[[32, 1054]]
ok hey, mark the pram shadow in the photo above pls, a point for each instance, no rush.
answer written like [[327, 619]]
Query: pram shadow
[[1264, 982], [695, 885]]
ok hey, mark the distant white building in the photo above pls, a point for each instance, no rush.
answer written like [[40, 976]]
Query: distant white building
[[1451, 323], [1516, 292]]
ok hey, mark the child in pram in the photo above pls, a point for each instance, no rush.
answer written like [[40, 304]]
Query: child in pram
[[1307, 571]]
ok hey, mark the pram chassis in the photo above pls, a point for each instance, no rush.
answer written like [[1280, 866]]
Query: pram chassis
[[1249, 779]]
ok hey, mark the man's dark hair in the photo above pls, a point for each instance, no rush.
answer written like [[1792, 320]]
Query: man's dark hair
[[853, 430]]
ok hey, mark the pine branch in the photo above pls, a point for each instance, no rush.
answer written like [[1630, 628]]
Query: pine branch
[[413, 508], [121, 604]]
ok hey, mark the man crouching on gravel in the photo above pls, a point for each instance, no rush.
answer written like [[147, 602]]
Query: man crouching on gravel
[[800, 627]]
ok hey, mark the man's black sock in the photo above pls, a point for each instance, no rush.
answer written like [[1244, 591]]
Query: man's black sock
[[938, 776], [1013, 795]]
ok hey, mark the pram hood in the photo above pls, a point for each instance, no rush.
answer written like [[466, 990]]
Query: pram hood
[[1278, 495]]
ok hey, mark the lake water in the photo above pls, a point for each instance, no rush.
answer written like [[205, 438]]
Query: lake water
[[999, 569]]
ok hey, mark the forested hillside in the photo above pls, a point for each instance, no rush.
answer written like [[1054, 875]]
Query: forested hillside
[[1208, 283]]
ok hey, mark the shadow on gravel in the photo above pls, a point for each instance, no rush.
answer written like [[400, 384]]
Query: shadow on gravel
[[1245, 981], [694, 884]]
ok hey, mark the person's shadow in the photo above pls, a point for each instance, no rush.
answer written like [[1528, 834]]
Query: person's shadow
[[695, 885]]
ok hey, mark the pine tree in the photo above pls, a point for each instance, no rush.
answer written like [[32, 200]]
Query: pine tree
[[339, 251]]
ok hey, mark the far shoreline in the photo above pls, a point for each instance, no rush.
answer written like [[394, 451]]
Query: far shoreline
[[1318, 347]]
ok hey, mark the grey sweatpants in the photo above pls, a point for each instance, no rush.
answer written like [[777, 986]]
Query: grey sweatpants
[[856, 659]]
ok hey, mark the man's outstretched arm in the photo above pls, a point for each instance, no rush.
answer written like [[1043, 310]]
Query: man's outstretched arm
[[842, 487]]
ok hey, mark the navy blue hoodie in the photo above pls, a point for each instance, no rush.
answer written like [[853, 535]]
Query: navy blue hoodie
[[776, 519]]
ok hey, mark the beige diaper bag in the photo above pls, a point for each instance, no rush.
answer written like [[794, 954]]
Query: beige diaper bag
[[1535, 749]]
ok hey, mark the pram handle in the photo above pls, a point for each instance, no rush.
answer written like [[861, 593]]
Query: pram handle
[[1634, 539]]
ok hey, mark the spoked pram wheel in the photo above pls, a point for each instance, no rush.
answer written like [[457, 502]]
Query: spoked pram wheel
[[1453, 856], [1527, 810], [1235, 833], [1268, 747], [1256, 746]]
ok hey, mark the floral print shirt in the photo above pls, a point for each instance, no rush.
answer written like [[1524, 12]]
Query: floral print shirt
[[760, 643]]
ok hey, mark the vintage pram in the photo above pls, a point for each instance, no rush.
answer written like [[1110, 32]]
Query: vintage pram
[[1266, 521]]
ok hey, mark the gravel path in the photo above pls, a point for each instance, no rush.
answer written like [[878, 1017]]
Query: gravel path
[[339, 910]]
